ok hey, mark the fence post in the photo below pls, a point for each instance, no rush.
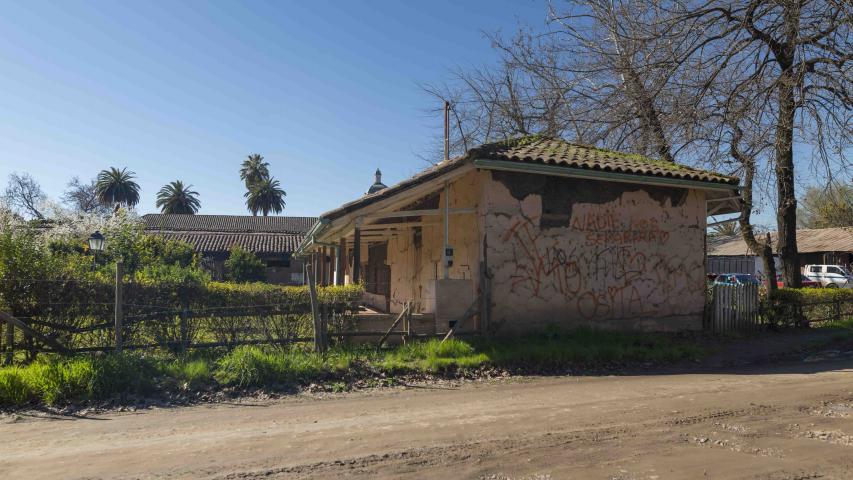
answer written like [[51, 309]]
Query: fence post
[[119, 313], [319, 334], [185, 314], [10, 342]]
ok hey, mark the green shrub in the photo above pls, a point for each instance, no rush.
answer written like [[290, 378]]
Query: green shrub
[[244, 266], [248, 366], [192, 373], [793, 306], [13, 389], [123, 374], [433, 356]]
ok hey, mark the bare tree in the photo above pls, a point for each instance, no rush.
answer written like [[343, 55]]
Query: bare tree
[[24, 195], [730, 84], [789, 61], [83, 197]]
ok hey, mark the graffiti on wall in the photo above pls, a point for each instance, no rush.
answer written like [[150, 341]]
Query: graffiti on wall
[[605, 266]]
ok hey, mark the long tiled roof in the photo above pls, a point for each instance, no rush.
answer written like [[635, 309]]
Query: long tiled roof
[[547, 151], [272, 243], [808, 241], [551, 151], [227, 223]]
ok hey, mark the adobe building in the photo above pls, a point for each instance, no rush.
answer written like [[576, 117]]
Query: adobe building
[[531, 232]]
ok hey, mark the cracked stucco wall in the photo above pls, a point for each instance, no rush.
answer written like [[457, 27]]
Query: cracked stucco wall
[[578, 252], [415, 265]]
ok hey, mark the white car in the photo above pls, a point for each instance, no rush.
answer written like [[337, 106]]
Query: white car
[[830, 276]]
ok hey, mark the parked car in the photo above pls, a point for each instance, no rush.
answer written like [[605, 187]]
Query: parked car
[[736, 279], [807, 283], [829, 276]]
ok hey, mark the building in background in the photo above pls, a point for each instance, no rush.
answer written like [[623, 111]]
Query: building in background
[[273, 239], [823, 246]]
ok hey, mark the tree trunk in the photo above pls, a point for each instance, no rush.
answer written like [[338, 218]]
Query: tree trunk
[[763, 249], [786, 213], [648, 113]]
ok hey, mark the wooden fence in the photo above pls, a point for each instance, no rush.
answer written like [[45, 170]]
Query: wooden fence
[[735, 308]]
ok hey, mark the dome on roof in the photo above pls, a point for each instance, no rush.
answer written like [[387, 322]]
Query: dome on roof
[[377, 185]]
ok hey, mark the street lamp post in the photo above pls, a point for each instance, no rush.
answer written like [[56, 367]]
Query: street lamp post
[[96, 244]]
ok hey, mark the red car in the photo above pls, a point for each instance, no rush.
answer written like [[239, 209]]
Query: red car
[[780, 282]]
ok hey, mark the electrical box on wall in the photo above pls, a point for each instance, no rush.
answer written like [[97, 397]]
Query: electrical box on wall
[[448, 256]]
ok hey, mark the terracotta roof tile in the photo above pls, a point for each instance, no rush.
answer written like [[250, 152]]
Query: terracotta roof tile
[[222, 242], [227, 223], [550, 151]]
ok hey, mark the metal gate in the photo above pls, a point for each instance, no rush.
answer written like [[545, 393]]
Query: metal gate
[[735, 307]]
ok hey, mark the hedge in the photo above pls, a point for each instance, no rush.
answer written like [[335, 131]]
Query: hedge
[[80, 314], [797, 306]]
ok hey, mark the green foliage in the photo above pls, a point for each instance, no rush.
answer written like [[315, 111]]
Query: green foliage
[[826, 207], [244, 266], [175, 198], [253, 366], [265, 196], [793, 306], [434, 356], [254, 169], [53, 380], [190, 373], [586, 346], [13, 389], [116, 186]]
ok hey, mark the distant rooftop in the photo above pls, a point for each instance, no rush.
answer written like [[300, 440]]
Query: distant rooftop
[[808, 241], [227, 223]]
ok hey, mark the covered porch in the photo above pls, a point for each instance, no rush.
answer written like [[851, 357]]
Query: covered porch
[[417, 246]]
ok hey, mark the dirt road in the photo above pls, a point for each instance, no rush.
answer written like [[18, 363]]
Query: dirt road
[[784, 422]]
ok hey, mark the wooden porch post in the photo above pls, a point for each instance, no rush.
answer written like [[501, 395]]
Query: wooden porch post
[[330, 267], [315, 268], [356, 257], [342, 261], [323, 280]]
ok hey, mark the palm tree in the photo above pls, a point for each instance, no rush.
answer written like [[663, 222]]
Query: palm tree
[[265, 196], [116, 187], [722, 230], [177, 198], [254, 169]]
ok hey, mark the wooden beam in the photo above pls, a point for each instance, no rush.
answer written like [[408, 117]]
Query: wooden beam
[[394, 325], [399, 200], [10, 320], [418, 213], [402, 225], [342, 261]]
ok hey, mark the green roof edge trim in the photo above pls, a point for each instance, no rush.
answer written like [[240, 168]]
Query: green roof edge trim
[[598, 174], [309, 237]]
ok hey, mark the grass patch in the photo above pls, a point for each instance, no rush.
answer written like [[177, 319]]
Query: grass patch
[[190, 373], [587, 346], [250, 366], [433, 356], [55, 380], [52, 380]]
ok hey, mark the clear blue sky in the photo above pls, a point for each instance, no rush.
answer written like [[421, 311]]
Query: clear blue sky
[[326, 91]]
